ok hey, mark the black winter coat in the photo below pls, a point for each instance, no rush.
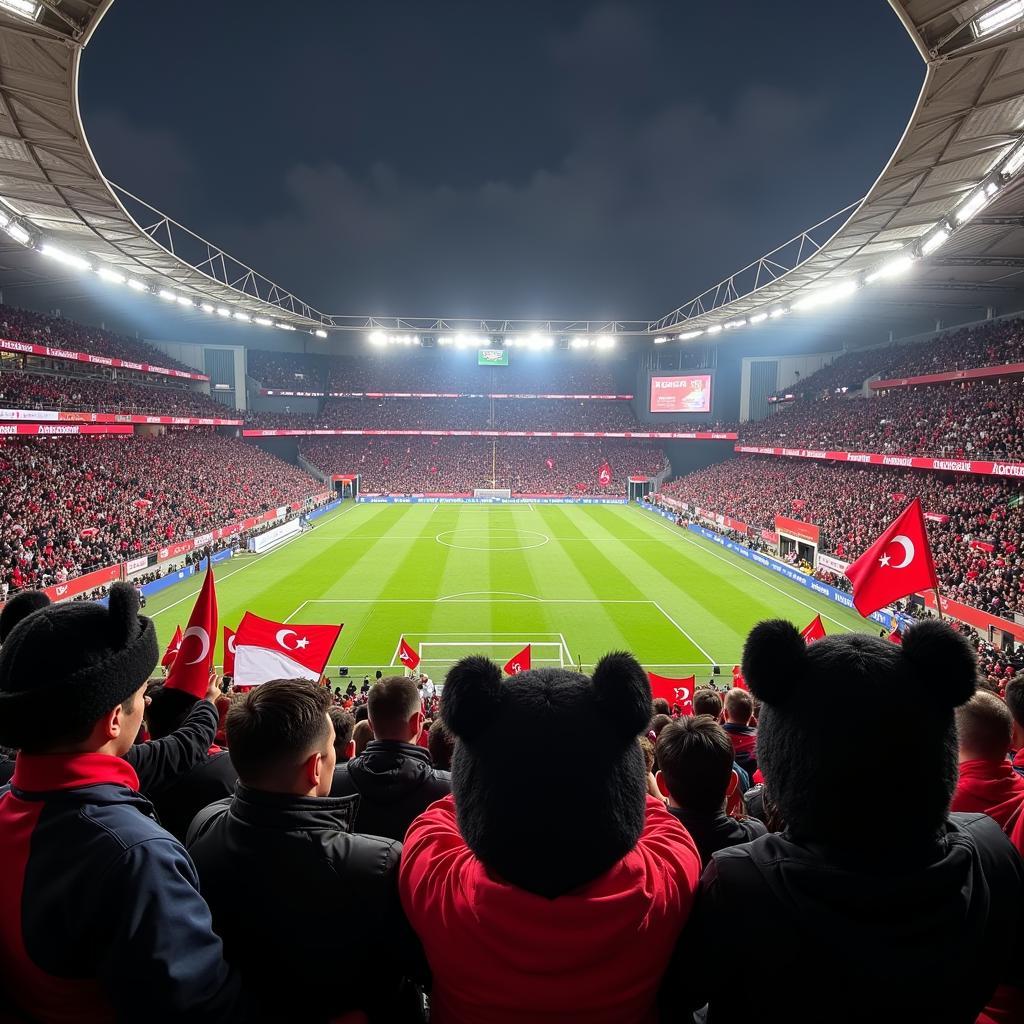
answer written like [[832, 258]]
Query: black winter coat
[[181, 799], [395, 781], [159, 762]]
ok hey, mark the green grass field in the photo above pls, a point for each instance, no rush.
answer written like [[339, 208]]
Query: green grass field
[[575, 581]]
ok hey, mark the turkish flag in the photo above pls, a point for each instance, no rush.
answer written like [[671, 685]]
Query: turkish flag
[[675, 691], [191, 668], [896, 636], [518, 662], [897, 564], [604, 474], [172, 649], [229, 651], [407, 656], [266, 650], [737, 679], [813, 631]]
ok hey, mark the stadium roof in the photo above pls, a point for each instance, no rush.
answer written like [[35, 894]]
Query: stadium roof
[[966, 126]]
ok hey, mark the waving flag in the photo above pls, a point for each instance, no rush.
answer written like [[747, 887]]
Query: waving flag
[[229, 651], [267, 650], [737, 678], [604, 474], [814, 630], [191, 668], [518, 662], [172, 649], [407, 656], [675, 691], [897, 564]]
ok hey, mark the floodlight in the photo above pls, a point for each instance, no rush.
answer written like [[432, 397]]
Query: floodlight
[[208, 307], [579, 343], [971, 205], [4, 219], [110, 275], [378, 338], [662, 338], [17, 232], [689, 335], [137, 286], [319, 334], [69, 259], [934, 241], [1015, 162], [894, 268], [223, 311], [285, 327], [167, 295], [729, 325], [23, 8], [997, 18], [244, 317], [263, 321], [714, 329], [605, 342], [825, 296], [779, 311], [184, 300], [758, 318]]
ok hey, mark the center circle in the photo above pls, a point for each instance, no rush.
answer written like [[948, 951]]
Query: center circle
[[503, 539]]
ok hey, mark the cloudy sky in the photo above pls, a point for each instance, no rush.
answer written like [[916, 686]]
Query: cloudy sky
[[563, 158]]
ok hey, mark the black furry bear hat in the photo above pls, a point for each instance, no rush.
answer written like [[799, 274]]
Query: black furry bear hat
[[65, 665], [548, 777], [856, 736]]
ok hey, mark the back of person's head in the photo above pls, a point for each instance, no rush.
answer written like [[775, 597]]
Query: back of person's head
[[984, 728], [707, 702], [168, 709], [394, 709], [739, 706], [361, 714], [660, 706], [1015, 699], [344, 724], [361, 736], [280, 737], [815, 761], [441, 744], [658, 722], [695, 758], [71, 671]]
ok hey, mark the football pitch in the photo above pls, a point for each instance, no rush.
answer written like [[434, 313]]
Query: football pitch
[[574, 581]]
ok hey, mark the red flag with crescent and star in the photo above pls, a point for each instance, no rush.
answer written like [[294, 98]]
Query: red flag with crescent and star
[[518, 662], [814, 630], [172, 649], [407, 656], [229, 651], [266, 650], [604, 474], [675, 691], [897, 564], [191, 668]]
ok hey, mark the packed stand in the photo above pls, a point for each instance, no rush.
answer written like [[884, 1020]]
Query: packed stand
[[91, 394], [979, 550], [456, 465], [74, 504]]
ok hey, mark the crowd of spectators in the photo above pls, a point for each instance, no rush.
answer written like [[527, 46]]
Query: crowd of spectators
[[458, 465], [74, 504], [99, 394], [58, 332], [979, 549]]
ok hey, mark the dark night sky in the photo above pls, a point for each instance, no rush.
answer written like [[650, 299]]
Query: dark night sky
[[530, 158]]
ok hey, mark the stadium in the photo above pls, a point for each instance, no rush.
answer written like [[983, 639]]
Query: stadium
[[501, 592]]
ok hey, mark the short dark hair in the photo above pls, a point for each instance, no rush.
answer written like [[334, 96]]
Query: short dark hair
[[695, 757], [391, 703], [275, 727], [984, 726], [739, 704], [659, 722], [344, 723], [362, 734], [441, 744], [707, 702], [167, 711], [660, 706], [1015, 698]]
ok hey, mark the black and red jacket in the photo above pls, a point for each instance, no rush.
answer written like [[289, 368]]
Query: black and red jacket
[[100, 913]]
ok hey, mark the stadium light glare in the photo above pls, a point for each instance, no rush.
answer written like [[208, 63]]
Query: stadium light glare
[[244, 317], [579, 343], [689, 335], [731, 324], [110, 275], [208, 307], [167, 295], [17, 232], [284, 327], [997, 18], [184, 300], [23, 8], [893, 268], [662, 338], [4, 219], [605, 342], [444, 341], [378, 338], [318, 333], [826, 296], [262, 321], [971, 205], [714, 328], [223, 311], [934, 241], [759, 318], [69, 259], [136, 285], [1014, 163], [776, 313]]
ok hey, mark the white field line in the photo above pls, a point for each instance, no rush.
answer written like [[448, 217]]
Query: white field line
[[685, 634], [252, 561], [296, 612], [451, 600], [681, 535]]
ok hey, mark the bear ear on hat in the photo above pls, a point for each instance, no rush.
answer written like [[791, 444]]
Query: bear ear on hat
[[623, 693], [943, 660], [472, 697], [773, 660], [122, 614]]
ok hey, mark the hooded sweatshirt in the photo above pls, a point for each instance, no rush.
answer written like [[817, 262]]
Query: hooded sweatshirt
[[927, 939], [989, 787]]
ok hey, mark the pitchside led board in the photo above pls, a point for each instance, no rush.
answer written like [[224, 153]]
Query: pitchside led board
[[681, 393], [492, 357]]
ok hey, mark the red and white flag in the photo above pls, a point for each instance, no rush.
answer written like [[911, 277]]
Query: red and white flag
[[266, 650], [192, 666], [518, 662], [814, 630], [604, 474], [896, 636], [229, 651], [897, 564], [172, 649], [737, 678], [675, 691], [407, 656]]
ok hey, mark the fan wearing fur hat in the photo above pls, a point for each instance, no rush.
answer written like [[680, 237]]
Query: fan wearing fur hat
[[875, 903], [541, 896]]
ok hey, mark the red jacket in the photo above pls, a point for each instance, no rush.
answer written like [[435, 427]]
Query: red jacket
[[501, 955], [989, 787]]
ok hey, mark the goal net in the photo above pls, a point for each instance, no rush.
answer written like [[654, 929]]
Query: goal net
[[492, 492]]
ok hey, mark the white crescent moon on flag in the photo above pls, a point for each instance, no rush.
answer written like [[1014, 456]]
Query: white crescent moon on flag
[[908, 550], [282, 636], [204, 639], [231, 643]]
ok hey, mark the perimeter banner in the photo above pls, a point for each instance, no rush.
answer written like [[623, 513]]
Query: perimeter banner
[[48, 352], [637, 435]]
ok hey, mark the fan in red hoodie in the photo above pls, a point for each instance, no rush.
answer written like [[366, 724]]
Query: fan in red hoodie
[[1015, 702], [988, 784], [538, 896]]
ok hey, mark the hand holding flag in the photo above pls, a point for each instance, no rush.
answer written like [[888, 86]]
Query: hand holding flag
[[193, 664]]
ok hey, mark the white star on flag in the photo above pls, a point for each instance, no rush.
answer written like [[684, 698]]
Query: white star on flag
[[302, 643], [884, 560]]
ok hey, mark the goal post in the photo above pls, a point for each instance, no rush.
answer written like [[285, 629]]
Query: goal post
[[495, 493]]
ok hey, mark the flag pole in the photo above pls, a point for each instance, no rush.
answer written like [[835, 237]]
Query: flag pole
[[938, 601]]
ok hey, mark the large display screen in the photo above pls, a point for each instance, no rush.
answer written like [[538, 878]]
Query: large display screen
[[679, 393]]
